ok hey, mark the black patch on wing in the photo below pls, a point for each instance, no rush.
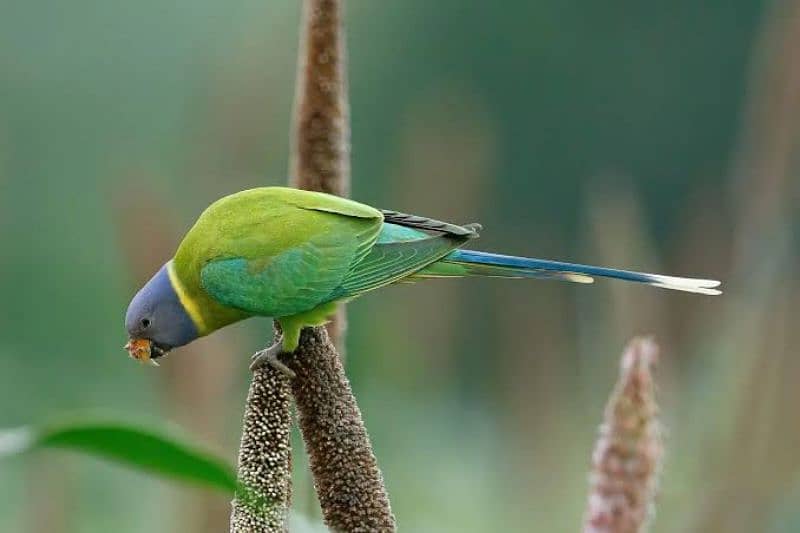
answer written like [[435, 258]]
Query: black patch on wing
[[469, 231]]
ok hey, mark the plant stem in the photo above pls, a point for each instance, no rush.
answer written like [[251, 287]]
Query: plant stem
[[347, 480]]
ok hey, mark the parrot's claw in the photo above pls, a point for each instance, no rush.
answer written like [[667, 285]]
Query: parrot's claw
[[269, 356]]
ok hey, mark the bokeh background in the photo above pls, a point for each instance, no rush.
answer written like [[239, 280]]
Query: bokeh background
[[653, 135]]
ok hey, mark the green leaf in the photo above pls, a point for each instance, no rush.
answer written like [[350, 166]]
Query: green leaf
[[155, 451]]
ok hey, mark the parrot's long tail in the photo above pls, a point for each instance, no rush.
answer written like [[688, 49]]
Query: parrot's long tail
[[471, 263]]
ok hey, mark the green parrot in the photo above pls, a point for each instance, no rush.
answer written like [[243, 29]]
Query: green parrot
[[293, 255]]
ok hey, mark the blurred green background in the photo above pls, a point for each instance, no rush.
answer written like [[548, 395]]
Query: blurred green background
[[652, 135]]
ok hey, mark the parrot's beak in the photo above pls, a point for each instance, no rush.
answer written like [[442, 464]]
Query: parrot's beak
[[145, 350]]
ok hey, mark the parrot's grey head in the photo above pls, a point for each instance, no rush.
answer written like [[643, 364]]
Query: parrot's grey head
[[157, 320]]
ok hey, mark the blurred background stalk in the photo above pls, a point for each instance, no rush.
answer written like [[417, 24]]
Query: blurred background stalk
[[627, 456]]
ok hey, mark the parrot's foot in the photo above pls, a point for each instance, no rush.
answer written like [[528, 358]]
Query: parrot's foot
[[269, 356]]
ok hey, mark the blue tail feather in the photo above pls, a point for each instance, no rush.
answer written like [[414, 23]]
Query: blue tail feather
[[701, 286]]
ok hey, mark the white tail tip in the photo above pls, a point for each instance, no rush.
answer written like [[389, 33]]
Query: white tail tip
[[698, 286]]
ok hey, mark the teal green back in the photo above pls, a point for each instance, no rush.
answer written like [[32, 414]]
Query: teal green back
[[340, 257]]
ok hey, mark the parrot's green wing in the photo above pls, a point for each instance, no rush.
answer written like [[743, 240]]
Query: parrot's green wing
[[403, 249], [321, 242], [388, 263]]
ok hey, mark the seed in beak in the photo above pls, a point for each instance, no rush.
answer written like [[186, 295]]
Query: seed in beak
[[140, 349]]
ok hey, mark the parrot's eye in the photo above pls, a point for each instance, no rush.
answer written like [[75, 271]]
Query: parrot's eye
[[145, 323]]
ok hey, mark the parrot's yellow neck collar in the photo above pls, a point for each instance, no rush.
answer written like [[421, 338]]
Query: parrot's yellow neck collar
[[188, 303]]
